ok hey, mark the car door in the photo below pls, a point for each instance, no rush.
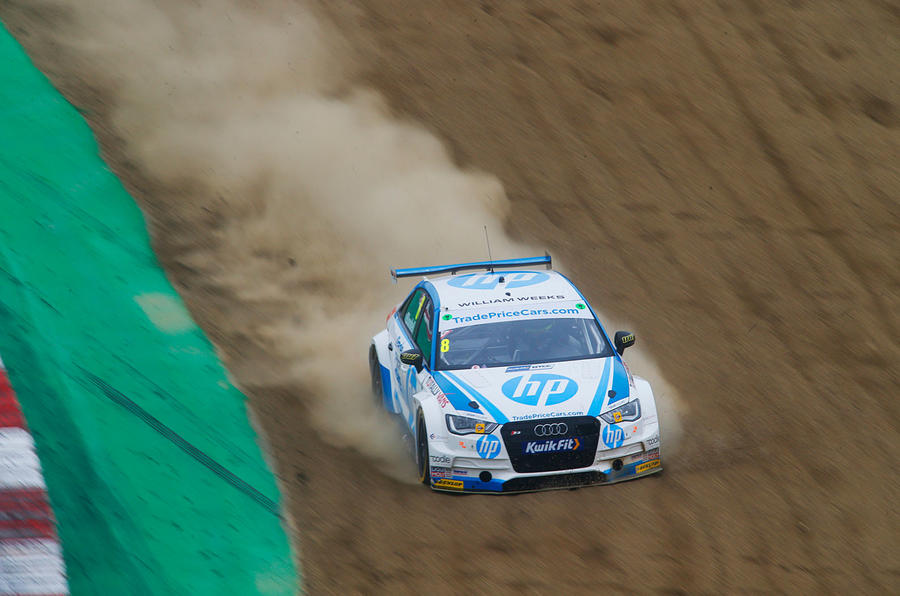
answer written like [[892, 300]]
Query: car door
[[423, 336], [401, 330]]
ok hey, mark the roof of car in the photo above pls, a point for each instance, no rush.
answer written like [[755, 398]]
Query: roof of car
[[487, 288]]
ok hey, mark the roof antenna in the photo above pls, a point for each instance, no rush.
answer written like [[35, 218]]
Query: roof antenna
[[490, 258]]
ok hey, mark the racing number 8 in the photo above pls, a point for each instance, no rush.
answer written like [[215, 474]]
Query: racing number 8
[[445, 345]]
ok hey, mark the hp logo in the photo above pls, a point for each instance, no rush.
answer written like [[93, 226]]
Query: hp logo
[[613, 436], [540, 389], [551, 430], [488, 447], [489, 281]]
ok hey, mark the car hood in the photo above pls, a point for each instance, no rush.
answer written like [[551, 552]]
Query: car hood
[[505, 394]]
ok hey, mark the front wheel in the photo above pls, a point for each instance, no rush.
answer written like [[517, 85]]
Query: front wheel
[[422, 459]]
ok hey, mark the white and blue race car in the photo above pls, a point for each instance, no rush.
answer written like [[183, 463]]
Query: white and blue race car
[[508, 382]]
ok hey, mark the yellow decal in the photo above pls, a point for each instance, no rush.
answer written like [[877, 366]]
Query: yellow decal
[[649, 465], [617, 416], [627, 338], [479, 428], [421, 304], [445, 345], [451, 484]]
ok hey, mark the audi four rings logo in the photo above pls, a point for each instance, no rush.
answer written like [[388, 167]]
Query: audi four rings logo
[[550, 430]]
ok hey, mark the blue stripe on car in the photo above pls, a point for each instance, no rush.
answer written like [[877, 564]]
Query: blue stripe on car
[[600, 396], [386, 390], [485, 403], [454, 395], [620, 382]]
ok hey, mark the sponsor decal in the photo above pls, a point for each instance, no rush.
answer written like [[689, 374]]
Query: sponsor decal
[[545, 415], [488, 447], [457, 472], [407, 358], [551, 446], [652, 454], [653, 441], [440, 459], [540, 389], [507, 314], [613, 436], [524, 367], [489, 281], [432, 386], [451, 484], [653, 463], [479, 428], [441, 472], [484, 302], [516, 299]]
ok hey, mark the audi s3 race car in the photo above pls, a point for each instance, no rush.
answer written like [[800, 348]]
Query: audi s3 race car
[[507, 382]]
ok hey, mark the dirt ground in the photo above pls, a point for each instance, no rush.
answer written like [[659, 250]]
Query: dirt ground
[[724, 175]]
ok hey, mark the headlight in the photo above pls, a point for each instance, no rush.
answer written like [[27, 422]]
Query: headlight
[[463, 425], [627, 413]]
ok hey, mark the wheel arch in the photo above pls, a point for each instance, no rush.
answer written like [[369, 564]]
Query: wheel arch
[[643, 391], [380, 344], [431, 412]]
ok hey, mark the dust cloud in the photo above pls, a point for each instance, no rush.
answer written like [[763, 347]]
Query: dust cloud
[[316, 190]]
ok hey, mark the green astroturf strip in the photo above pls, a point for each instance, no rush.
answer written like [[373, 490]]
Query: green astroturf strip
[[153, 470]]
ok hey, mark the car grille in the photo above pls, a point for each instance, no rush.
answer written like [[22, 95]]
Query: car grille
[[517, 435], [574, 480]]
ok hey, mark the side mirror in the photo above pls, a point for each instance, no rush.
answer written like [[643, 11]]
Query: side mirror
[[624, 339], [412, 358]]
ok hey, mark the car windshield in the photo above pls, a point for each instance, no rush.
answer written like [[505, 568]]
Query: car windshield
[[510, 343]]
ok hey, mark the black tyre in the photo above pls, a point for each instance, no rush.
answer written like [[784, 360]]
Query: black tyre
[[422, 459], [375, 371]]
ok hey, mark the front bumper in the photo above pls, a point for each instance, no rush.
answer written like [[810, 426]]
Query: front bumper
[[464, 473]]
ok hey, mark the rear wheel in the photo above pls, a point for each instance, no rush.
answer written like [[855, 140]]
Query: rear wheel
[[375, 371], [422, 459]]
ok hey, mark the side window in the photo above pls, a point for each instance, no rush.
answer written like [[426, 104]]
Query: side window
[[425, 329], [412, 309]]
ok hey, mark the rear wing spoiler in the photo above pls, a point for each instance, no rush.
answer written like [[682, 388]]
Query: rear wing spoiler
[[489, 265]]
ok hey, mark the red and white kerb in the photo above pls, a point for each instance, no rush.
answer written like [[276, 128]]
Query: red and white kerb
[[30, 555]]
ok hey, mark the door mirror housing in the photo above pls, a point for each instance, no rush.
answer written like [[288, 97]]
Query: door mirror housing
[[412, 358], [624, 339]]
